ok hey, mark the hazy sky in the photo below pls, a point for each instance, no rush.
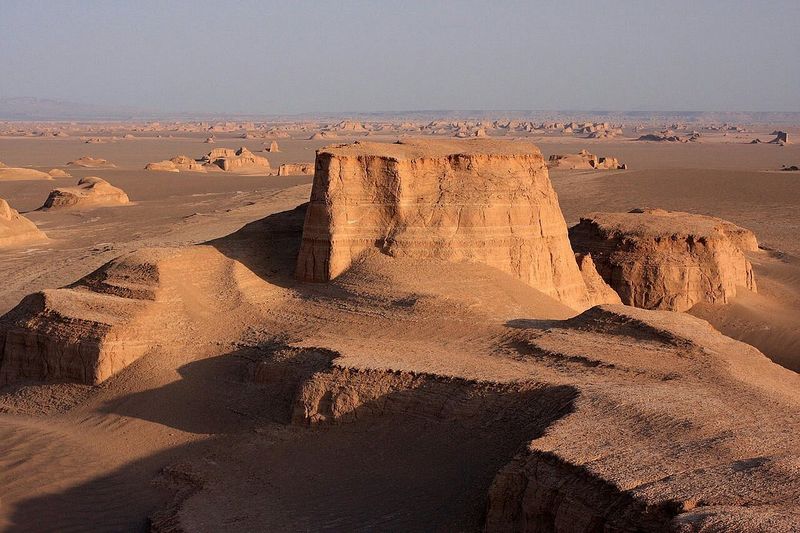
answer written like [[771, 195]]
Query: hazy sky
[[294, 56]]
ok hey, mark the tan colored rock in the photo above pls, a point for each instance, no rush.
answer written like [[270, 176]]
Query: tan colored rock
[[322, 135], [162, 166], [583, 160], [209, 140], [91, 162], [479, 200], [657, 259], [599, 291], [22, 174], [241, 160], [92, 329], [179, 163], [273, 147], [90, 192], [296, 169], [15, 229], [59, 173]]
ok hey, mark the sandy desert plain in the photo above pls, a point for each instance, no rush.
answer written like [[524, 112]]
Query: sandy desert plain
[[419, 348]]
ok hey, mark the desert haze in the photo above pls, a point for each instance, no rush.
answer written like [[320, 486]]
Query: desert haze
[[239, 293]]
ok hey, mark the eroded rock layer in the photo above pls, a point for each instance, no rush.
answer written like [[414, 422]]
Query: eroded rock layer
[[91, 330], [478, 200], [657, 259]]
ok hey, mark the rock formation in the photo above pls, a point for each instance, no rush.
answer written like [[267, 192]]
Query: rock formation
[[583, 160], [296, 169], [91, 162], [180, 163], [273, 147], [600, 292], [22, 174], [657, 259], [15, 229], [479, 200], [58, 173], [661, 137], [781, 138], [323, 135], [241, 160], [90, 192]]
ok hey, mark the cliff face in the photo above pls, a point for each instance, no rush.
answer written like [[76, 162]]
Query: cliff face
[[296, 169], [16, 229], [657, 259], [481, 201]]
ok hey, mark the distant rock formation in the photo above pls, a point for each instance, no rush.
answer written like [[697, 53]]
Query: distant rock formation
[[22, 174], [15, 229], [296, 169], [91, 162], [347, 125], [661, 137], [657, 259], [58, 173], [583, 160], [180, 163], [209, 140], [241, 160], [323, 135], [790, 168], [477, 200], [273, 147], [781, 138], [90, 192]]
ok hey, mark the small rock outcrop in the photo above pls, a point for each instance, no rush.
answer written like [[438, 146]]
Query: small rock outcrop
[[90, 192], [15, 229], [323, 135], [781, 138], [657, 259], [661, 137], [91, 162], [241, 160], [58, 173], [583, 160], [273, 147], [477, 200], [181, 163], [296, 169]]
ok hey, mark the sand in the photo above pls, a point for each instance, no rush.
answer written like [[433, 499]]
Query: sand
[[175, 433]]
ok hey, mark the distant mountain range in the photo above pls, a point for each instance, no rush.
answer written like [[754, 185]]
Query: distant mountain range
[[43, 109]]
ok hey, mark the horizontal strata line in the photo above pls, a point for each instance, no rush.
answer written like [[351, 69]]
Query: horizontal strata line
[[533, 203], [461, 233]]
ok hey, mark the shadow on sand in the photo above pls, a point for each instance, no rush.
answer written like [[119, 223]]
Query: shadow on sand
[[404, 467]]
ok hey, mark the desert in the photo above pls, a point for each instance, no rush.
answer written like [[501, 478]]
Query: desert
[[240, 296]]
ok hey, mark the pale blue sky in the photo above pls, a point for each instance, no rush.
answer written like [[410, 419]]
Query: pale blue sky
[[336, 56]]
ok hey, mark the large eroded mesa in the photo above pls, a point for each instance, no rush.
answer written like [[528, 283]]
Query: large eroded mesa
[[481, 201]]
